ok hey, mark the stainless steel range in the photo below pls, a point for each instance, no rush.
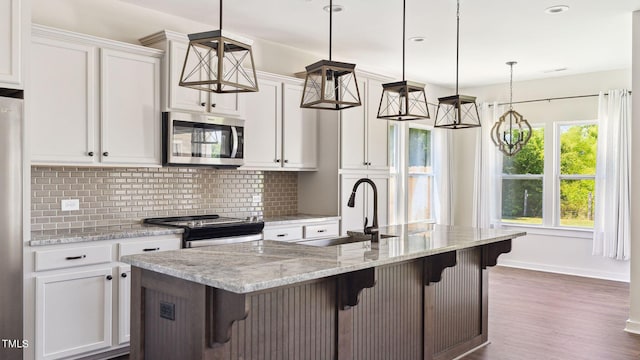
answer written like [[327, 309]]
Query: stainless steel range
[[205, 230]]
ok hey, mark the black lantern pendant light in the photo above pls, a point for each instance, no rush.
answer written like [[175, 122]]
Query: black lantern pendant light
[[457, 111], [330, 85], [214, 63], [510, 137], [403, 100]]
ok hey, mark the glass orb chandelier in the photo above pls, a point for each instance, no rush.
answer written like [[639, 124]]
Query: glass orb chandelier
[[214, 63], [403, 100], [457, 111], [512, 131], [330, 85]]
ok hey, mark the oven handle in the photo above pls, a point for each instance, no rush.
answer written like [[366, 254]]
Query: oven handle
[[234, 146], [223, 240]]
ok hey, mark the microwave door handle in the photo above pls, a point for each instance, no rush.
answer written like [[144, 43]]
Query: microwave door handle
[[234, 142]]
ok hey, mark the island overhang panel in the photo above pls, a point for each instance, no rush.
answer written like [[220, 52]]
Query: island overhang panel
[[421, 294]]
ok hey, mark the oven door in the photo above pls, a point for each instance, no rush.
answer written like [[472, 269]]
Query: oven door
[[223, 240], [194, 139]]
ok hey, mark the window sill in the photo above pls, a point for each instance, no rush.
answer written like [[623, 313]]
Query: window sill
[[551, 231]]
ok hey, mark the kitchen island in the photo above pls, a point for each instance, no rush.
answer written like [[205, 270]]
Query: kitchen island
[[420, 293]]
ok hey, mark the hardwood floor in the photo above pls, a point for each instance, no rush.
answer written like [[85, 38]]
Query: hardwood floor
[[542, 316], [537, 315]]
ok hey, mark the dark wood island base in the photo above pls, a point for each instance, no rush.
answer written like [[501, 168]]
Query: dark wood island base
[[433, 307]]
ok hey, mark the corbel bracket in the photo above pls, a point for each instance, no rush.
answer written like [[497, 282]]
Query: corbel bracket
[[223, 309], [350, 285], [490, 252], [434, 265]]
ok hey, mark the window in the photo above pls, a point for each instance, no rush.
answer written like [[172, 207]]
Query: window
[[563, 195], [577, 174], [411, 182], [419, 176], [522, 182]]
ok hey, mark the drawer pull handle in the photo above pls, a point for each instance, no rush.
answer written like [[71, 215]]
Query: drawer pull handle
[[151, 249], [124, 275], [322, 230], [282, 235], [76, 257]]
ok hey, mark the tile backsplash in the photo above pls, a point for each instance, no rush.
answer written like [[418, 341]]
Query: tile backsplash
[[113, 196]]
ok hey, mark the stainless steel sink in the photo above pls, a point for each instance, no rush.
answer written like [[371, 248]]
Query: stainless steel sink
[[334, 242]]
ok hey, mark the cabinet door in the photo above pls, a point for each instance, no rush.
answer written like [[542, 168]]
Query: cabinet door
[[10, 42], [352, 133], [224, 104], [377, 129], [124, 304], [382, 184], [263, 126], [300, 131], [73, 313], [63, 100], [130, 99], [180, 97], [352, 218]]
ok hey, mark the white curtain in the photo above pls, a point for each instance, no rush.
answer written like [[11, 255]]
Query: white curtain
[[442, 162], [488, 166], [611, 230]]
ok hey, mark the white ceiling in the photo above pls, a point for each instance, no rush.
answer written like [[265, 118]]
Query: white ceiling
[[594, 35]]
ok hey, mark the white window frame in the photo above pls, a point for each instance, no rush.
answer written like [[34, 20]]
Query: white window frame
[[557, 176], [551, 180]]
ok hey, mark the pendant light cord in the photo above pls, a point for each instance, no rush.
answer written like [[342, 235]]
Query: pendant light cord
[[330, 26], [404, 29], [220, 15], [457, 43], [511, 88]]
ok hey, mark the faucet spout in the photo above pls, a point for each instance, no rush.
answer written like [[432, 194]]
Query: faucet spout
[[373, 229]]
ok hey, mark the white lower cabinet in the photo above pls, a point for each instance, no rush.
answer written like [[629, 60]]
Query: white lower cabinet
[[124, 303], [300, 231], [83, 296], [73, 312]]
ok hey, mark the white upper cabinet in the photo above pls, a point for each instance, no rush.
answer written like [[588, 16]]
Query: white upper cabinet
[[263, 126], [130, 108], [180, 98], [299, 131], [93, 101], [279, 135], [12, 27], [364, 137]]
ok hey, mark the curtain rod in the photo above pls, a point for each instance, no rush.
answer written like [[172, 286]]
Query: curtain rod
[[554, 98]]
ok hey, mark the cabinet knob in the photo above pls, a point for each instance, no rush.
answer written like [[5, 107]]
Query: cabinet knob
[[203, 104], [106, 153], [213, 105], [124, 275], [276, 160], [90, 153], [109, 277], [369, 163], [365, 163], [286, 161]]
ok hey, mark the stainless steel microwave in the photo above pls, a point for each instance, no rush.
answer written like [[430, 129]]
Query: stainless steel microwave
[[202, 140]]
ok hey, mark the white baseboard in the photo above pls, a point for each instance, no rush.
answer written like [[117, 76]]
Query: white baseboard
[[566, 270], [632, 327]]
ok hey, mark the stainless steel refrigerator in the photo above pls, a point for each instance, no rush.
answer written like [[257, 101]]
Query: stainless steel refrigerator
[[11, 243]]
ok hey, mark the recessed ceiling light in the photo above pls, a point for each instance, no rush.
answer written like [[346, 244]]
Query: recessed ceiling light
[[417, 39], [334, 8], [557, 9]]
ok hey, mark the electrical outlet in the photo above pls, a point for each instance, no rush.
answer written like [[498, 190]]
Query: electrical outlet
[[257, 198], [70, 205]]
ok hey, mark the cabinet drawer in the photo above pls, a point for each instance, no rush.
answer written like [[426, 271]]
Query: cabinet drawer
[[78, 256], [293, 233], [138, 247], [321, 230]]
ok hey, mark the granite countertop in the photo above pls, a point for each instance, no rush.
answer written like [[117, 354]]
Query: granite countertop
[[258, 265], [298, 218], [76, 235]]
